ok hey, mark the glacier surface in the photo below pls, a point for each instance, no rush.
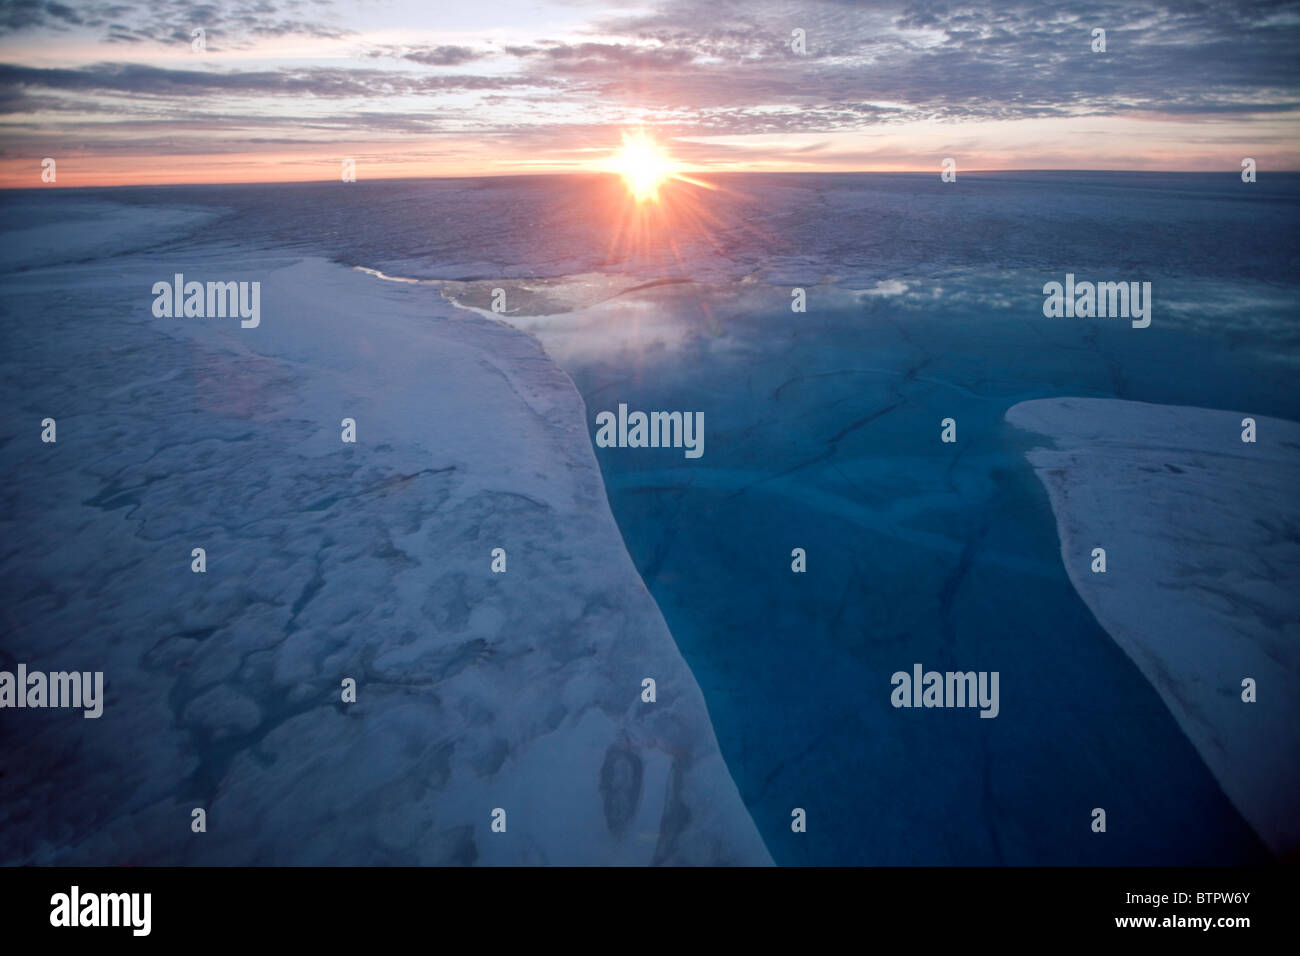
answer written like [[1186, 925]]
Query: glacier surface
[[325, 560]]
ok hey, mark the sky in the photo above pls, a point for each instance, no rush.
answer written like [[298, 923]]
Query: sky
[[120, 91]]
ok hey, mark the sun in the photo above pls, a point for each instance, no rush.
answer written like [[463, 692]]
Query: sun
[[649, 219], [644, 166]]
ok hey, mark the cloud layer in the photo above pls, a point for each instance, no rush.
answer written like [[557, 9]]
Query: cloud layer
[[120, 75]]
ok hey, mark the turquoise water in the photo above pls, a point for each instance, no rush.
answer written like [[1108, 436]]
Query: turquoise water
[[823, 432]]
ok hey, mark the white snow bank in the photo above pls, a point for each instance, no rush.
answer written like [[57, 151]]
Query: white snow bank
[[326, 560], [1202, 538]]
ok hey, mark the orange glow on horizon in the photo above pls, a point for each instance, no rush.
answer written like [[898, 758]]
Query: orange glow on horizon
[[646, 175]]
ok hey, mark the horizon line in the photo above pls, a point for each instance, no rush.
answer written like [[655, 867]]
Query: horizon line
[[596, 172]]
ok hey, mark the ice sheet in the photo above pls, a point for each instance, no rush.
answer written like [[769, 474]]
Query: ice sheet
[[327, 560]]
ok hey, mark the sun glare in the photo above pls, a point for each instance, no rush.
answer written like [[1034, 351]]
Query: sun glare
[[644, 166], [654, 217]]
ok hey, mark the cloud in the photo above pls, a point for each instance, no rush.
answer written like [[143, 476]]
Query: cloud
[[16, 15], [442, 55], [232, 24], [599, 58], [693, 68], [157, 82]]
